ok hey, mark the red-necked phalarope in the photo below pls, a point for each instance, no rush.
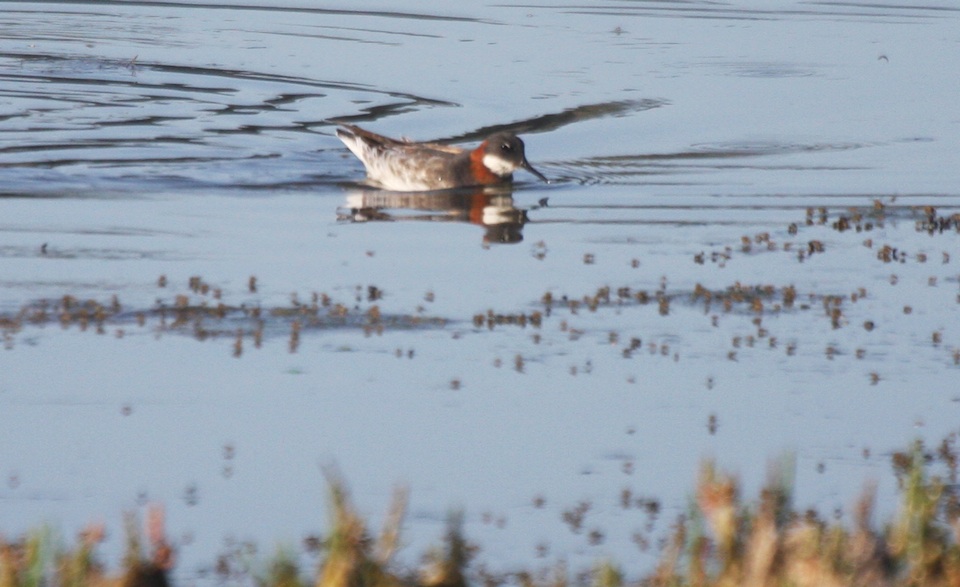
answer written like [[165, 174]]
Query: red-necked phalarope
[[406, 166]]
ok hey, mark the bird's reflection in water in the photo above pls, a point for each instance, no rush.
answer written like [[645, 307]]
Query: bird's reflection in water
[[491, 208]]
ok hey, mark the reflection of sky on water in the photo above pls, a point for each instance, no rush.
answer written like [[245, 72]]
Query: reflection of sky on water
[[209, 155]]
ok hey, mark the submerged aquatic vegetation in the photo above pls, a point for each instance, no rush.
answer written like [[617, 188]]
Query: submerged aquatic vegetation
[[204, 314]]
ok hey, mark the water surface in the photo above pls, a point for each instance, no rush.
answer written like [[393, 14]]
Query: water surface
[[748, 249]]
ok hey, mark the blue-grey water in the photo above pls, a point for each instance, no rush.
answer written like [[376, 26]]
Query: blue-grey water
[[748, 249]]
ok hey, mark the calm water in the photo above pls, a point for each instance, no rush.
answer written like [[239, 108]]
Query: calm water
[[736, 253]]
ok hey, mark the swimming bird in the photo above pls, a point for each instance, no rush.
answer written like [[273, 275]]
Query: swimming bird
[[407, 166]]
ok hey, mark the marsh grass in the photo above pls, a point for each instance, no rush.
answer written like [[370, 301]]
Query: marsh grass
[[40, 559], [723, 540], [353, 557], [726, 541]]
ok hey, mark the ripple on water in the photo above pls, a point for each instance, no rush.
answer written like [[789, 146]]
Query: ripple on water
[[646, 168], [81, 122]]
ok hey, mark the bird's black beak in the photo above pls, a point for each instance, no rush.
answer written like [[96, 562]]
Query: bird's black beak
[[526, 165]]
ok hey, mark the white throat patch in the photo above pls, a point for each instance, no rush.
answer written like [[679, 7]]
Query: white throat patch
[[498, 166]]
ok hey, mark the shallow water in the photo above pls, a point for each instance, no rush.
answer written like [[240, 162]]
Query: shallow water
[[774, 159]]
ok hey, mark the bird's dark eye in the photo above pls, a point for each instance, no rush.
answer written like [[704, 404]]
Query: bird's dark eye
[[506, 148]]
